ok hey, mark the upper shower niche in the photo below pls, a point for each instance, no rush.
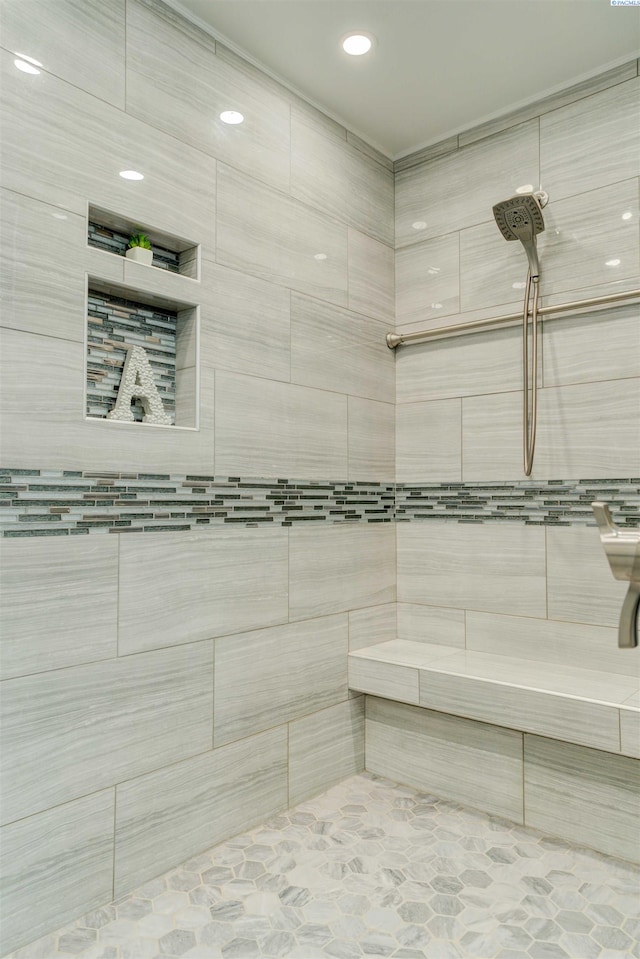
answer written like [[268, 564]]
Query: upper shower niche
[[110, 232]]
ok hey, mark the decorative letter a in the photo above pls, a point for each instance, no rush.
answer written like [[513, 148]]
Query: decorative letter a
[[137, 383]]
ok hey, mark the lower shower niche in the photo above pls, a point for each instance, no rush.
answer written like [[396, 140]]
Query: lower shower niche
[[141, 358]]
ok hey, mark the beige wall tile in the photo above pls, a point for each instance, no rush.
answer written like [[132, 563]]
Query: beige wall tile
[[380, 678], [164, 55], [42, 289], [176, 812], [496, 568], [371, 277], [102, 724], [245, 324], [547, 640], [340, 567], [276, 237], [325, 748], [431, 624], [576, 141], [518, 707], [583, 430], [56, 866], [58, 602], [271, 676], [429, 441], [82, 43], [264, 428], [471, 763], [587, 796], [458, 190], [65, 147], [376, 624], [371, 440], [428, 279], [183, 587], [338, 350]]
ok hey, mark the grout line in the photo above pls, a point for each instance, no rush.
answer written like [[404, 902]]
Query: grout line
[[523, 782], [113, 866]]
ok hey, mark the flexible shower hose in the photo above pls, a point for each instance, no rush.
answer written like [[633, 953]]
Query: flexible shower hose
[[529, 423]]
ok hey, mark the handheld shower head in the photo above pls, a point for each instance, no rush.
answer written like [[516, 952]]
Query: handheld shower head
[[520, 218]]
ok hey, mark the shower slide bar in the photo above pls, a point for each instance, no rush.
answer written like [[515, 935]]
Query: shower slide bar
[[479, 326]]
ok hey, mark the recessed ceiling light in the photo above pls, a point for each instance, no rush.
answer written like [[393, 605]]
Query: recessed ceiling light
[[131, 175], [26, 67], [419, 225], [59, 216], [526, 188], [627, 215], [518, 286], [436, 306], [614, 262], [355, 44], [231, 116], [319, 256]]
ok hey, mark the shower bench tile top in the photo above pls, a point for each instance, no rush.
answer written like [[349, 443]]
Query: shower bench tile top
[[584, 706]]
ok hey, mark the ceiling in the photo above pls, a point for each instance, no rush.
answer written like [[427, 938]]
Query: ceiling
[[437, 67]]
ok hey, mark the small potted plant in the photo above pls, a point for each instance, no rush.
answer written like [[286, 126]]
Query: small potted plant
[[139, 248]]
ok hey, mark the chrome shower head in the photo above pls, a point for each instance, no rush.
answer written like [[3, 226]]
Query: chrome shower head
[[520, 218]]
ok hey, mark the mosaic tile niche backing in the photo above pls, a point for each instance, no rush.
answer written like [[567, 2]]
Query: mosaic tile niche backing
[[104, 238], [62, 503], [112, 325]]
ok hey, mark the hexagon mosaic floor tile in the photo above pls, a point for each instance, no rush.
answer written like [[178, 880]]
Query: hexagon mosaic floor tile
[[372, 869]]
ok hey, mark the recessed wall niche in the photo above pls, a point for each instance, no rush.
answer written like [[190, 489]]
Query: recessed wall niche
[[110, 232], [120, 318]]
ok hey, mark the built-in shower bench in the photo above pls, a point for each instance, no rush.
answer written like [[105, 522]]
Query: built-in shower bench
[[583, 706]]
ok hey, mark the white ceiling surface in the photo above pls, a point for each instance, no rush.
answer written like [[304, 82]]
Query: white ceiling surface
[[438, 67]]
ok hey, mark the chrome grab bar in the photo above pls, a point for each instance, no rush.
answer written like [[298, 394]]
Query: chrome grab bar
[[479, 326]]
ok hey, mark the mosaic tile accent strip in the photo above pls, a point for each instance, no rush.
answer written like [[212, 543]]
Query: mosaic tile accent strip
[[549, 503], [372, 869], [104, 238], [112, 325], [49, 502], [61, 503]]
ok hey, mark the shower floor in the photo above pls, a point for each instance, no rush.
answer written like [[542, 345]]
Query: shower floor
[[372, 869]]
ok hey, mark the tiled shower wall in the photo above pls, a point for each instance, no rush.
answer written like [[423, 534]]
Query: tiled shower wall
[[496, 581], [163, 690]]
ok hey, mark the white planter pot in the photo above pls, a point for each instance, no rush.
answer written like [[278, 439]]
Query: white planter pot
[[141, 255]]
